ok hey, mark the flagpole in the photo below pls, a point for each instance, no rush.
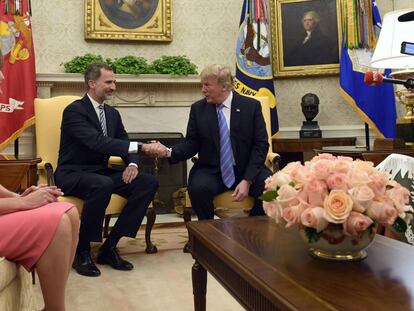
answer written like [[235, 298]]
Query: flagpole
[[367, 136], [16, 148]]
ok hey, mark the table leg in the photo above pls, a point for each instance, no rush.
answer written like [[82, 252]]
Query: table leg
[[199, 275]]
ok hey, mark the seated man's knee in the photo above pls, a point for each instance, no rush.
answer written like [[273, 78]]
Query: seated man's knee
[[195, 189], [104, 184], [149, 182]]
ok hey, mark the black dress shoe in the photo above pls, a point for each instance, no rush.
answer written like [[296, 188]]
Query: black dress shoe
[[84, 265], [112, 258]]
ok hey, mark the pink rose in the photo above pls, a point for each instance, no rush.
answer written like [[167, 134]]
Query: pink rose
[[366, 166], [291, 166], [338, 181], [399, 195], [300, 176], [362, 196], [383, 212], [287, 195], [292, 213], [321, 169], [316, 191], [337, 206], [277, 180], [342, 165], [325, 156], [378, 182], [356, 222], [273, 210], [313, 217], [358, 177]]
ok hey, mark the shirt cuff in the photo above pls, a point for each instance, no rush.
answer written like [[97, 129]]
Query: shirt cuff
[[133, 147], [169, 151], [133, 164]]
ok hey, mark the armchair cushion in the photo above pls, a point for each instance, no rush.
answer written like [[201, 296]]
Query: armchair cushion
[[16, 290]]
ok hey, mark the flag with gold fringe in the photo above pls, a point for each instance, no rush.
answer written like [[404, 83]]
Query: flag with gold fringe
[[361, 23], [19, 86], [254, 75]]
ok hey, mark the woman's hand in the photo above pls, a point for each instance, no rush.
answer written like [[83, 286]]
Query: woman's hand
[[35, 198]]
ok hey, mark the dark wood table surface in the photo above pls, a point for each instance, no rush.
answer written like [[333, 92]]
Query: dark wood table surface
[[267, 267], [298, 149]]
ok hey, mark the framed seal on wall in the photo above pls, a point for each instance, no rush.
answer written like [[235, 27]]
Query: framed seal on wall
[[148, 20]]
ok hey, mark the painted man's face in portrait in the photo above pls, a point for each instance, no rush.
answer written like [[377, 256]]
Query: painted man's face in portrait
[[309, 23]]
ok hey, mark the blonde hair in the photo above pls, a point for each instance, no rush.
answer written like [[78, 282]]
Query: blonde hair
[[219, 72], [313, 15]]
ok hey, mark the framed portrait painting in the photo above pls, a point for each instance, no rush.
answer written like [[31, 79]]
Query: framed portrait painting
[[306, 37], [148, 20]]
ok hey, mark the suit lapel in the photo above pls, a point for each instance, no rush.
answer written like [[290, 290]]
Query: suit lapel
[[109, 122], [234, 119], [211, 117], [91, 112]]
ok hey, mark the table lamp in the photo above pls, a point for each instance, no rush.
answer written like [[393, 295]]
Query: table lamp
[[398, 27]]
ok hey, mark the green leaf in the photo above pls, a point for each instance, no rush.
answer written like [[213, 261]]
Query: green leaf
[[312, 235], [174, 65], [269, 196], [400, 225], [78, 64], [132, 65]]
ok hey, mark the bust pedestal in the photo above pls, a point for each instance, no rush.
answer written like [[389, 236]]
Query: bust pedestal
[[310, 129]]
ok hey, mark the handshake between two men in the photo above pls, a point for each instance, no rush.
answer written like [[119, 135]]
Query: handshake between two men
[[156, 149]]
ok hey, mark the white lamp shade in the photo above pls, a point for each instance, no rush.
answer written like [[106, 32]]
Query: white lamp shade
[[393, 32]]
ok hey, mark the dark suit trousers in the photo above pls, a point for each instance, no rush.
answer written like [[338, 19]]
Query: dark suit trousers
[[96, 190], [204, 185]]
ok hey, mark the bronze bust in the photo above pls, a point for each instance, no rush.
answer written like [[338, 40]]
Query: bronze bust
[[310, 108]]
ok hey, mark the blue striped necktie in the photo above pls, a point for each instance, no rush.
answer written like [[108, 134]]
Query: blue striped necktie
[[226, 153], [102, 119]]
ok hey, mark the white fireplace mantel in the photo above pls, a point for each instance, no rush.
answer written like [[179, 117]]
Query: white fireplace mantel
[[132, 90]]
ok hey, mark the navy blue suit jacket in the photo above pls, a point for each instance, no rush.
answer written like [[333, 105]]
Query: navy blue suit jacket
[[83, 147], [247, 133]]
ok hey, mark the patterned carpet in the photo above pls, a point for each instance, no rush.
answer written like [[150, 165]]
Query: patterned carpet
[[163, 236]]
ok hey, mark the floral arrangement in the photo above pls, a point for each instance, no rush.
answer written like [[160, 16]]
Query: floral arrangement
[[336, 190]]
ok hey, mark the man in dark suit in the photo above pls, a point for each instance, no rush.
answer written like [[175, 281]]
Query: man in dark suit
[[247, 135], [91, 132], [313, 47]]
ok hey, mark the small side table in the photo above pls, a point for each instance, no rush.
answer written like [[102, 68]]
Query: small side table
[[18, 174]]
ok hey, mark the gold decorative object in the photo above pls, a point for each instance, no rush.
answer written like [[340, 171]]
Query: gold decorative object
[[405, 96], [148, 20], [334, 245]]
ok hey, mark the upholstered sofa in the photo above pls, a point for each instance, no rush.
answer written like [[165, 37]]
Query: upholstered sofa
[[16, 289]]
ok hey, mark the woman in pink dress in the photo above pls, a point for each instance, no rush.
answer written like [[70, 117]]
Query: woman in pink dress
[[38, 232]]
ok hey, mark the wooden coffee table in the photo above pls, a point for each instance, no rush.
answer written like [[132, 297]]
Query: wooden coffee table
[[267, 267]]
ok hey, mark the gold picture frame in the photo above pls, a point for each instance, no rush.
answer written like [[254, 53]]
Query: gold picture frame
[[293, 55], [147, 20]]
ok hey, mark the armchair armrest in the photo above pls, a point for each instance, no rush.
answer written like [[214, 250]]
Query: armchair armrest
[[273, 160], [115, 161], [48, 168]]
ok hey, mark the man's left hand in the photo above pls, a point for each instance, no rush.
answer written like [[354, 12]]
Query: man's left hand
[[241, 191], [129, 174]]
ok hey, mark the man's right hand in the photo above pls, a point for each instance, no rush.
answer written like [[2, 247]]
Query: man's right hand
[[155, 149]]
